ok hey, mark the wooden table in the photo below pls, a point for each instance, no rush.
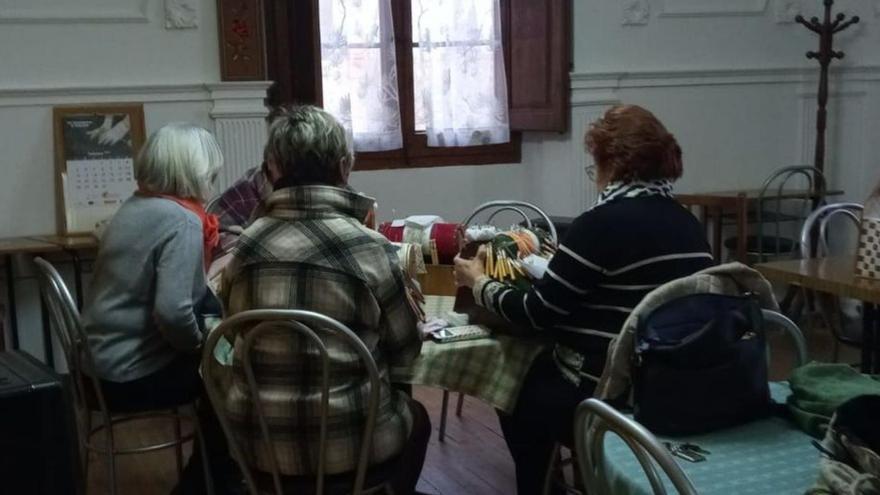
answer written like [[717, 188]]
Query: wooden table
[[836, 276], [72, 246], [716, 204]]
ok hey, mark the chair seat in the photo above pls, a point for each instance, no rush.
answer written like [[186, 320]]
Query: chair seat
[[768, 244]]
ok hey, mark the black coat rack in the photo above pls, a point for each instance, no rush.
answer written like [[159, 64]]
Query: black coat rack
[[826, 31]]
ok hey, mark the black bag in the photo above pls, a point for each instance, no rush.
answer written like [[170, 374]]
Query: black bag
[[700, 364]]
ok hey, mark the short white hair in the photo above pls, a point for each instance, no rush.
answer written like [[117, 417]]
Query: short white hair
[[179, 160]]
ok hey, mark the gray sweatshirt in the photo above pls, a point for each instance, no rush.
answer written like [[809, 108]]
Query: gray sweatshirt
[[148, 276]]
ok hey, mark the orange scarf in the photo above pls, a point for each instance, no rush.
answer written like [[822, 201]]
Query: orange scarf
[[210, 222]]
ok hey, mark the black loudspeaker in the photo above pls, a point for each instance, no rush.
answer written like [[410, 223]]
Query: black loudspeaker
[[38, 444]]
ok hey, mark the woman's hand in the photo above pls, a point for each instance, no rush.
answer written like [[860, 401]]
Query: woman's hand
[[467, 272]]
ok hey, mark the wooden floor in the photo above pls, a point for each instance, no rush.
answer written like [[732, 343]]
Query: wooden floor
[[472, 460]]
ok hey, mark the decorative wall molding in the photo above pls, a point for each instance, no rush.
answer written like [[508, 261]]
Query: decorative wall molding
[[149, 93], [230, 99], [786, 10], [712, 8], [599, 83], [636, 12], [239, 114], [71, 11], [181, 14], [239, 99]]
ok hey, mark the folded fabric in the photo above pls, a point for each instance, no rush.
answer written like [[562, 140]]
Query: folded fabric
[[818, 389], [850, 464]]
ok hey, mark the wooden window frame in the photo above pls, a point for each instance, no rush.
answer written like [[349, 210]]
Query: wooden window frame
[[295, 65]]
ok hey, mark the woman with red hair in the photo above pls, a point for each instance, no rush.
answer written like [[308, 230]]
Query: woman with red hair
[[636, 238]]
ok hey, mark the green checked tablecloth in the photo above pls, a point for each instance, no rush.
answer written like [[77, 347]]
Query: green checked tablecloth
[[490, 369], [767, 457]]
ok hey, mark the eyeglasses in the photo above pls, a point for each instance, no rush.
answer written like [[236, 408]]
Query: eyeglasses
[[591, 172]]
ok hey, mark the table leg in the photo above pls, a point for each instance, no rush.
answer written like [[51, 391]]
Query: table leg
[[742, 228], [10, 296], [444, 408], [869, 337]]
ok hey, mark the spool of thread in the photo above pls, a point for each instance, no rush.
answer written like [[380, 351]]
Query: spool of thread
[[393, 234], [448, 237], [412, 262]]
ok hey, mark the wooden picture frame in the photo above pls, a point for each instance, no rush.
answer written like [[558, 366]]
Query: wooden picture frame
[[94, 139], [242, 40]]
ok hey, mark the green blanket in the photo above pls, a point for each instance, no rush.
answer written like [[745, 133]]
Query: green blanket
[[819, 388]]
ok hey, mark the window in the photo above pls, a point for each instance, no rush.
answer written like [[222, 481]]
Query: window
[[294, 58]]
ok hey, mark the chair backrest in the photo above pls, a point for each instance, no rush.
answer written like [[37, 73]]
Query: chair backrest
[[68, 328], [814, 234], [789, 328], [518, 207], [775, 195], [249, 326], [593, 419]]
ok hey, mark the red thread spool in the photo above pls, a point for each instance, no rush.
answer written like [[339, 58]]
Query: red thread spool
[[448, 238], [393, 234]]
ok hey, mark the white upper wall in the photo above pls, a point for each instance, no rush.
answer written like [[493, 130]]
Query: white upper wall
[[71, 43], [735, 124], [747, 35]]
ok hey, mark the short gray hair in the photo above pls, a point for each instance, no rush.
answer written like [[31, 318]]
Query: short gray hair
[[308, 145], [179, 160]]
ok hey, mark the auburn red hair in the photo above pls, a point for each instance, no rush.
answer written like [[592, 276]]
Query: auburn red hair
[[629, 143]]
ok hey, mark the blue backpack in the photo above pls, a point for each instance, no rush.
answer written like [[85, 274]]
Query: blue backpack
[[701, 364]]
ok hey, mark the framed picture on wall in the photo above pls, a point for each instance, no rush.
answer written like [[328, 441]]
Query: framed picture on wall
[[95, 146]]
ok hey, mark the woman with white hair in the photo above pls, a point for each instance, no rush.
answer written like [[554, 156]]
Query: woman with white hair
[[140, 314]]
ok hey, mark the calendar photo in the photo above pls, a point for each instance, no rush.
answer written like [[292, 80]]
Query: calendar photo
[[95, 162]]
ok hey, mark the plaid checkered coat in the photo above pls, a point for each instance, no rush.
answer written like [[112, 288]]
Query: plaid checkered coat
[[236, 206], [310, 251]]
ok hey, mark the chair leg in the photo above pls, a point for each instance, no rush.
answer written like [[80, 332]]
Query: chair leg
[[85, 452], [459, 405], [443, 410], [206, 466], [110, 447], [551, 469], [178, 448]]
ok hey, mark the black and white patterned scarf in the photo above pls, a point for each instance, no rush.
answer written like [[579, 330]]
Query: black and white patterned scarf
[[635, 189]]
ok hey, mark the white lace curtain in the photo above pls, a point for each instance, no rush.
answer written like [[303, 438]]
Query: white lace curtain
[[458, 71], [461, 89], [359, 70]]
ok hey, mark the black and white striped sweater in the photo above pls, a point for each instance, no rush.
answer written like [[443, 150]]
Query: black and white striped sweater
[[613, 255]]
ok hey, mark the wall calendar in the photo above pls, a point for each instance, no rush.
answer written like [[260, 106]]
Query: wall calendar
[[95, 147]]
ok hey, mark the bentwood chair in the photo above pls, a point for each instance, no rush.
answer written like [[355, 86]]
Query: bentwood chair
[[594, 418], [786, 198], [248, 327], [88, 399], [491, 210], [814, 244]]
